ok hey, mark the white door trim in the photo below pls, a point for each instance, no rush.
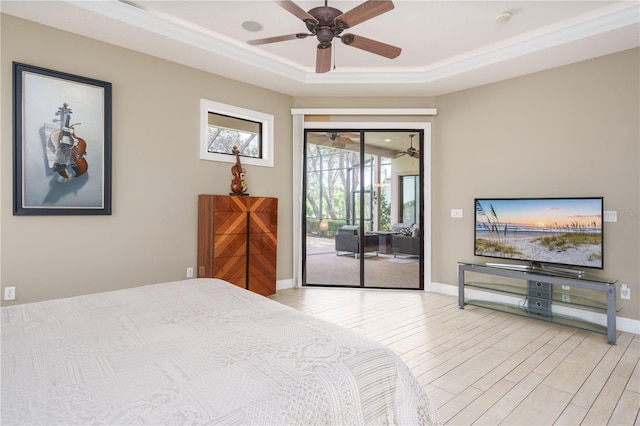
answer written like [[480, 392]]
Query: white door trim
[[298, 144]]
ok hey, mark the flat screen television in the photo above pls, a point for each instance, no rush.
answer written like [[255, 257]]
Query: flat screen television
[[541, 231]]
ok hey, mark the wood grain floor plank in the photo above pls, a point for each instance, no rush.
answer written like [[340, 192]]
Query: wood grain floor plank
[[458, 403], [467, 373], [543, 405], [476, 408], [602, 408], [627, 411], [571, 416], [510, 401]]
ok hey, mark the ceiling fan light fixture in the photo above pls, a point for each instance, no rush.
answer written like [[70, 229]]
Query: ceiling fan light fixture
[[411, 151], [252, 26]]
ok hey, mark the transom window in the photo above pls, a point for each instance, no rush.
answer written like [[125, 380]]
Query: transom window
[[224, 126], [224, 132]]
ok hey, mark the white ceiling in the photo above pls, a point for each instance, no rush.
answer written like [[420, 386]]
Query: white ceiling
[[446, 45]]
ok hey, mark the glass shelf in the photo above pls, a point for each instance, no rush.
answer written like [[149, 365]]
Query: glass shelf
[[547, 271], [554, 318], [556, 296]]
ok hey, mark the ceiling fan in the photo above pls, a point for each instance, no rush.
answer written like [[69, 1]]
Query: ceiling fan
[[334, 139], [411, 151], [327, 23]]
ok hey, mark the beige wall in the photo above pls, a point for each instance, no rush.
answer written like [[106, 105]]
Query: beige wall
[[568, 131], [157, 173]]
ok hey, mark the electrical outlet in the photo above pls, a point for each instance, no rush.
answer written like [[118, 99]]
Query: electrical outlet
[[9, 293], [189, 272], [625, 292], [566, 298]]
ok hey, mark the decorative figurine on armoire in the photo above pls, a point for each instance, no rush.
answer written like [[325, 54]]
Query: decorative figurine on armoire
[[238, 185]]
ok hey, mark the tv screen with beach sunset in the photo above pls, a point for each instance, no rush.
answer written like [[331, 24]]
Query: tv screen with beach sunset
[[561, 231]]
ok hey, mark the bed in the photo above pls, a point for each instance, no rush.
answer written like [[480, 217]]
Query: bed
[[200, 351]]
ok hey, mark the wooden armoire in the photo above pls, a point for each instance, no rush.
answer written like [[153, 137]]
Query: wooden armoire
[[237, 240]]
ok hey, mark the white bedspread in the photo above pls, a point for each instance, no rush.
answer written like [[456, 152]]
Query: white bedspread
[[195, 352]]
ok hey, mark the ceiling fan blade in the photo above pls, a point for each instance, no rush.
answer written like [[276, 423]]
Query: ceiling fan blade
[[296, 10], [364, 12], [323, 140], [320, 141], [276, 39], [344, 140], [373, 46], [323, 60], [413, 154], [350, 135], [330, 137]]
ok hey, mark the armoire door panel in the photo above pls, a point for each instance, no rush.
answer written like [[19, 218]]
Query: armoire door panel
[[240, 281], [262, 264], [230, 267], [227, 245], [262, 204], [231, 204], [263, 284], [263, 222], [262, 243], [230, 223]]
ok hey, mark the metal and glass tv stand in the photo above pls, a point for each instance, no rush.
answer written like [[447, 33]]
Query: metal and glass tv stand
[[540, 293]]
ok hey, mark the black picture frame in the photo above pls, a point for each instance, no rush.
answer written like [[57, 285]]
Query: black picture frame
[[62, 144]]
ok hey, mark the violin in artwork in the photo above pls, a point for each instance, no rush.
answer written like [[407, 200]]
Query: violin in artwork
[[69, 149], [238, 185]]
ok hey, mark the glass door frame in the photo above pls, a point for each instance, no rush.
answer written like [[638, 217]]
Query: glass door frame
[[298, 126], [360, 195]]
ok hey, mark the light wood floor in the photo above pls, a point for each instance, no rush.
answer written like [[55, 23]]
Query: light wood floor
[[487, 368]]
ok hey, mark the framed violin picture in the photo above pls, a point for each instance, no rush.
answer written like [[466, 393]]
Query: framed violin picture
[[62, 143]]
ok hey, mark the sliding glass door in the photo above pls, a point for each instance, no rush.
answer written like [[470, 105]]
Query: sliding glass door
[[363, 209], [332, 178]]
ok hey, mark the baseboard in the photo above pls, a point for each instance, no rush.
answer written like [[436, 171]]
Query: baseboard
[[622, 324], [284, 284]]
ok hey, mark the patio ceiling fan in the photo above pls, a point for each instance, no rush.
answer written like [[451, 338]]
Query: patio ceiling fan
[[327, 23], [411, 151], [333, 139]]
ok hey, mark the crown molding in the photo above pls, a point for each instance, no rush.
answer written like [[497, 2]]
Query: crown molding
[[364, 111], [603, 20]]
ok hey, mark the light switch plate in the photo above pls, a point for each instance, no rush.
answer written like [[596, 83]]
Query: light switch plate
[[610, 216], [457, 213]]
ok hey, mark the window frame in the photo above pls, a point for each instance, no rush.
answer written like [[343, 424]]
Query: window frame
[[266, 136], [401, 198]]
